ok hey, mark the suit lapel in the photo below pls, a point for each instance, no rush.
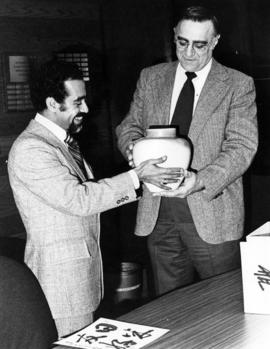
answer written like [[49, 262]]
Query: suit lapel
[[48, 137], [213, 91], [162, 92]]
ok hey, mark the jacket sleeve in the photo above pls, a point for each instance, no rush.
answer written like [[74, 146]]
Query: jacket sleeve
[[239, 145], [43, 170]]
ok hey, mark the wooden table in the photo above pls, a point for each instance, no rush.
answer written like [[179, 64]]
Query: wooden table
[[208, 314]]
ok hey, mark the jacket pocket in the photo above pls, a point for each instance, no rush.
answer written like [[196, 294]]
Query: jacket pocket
[[64, 251]]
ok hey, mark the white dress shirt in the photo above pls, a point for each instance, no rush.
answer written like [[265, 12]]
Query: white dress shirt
[[58, 131], [180, 79]]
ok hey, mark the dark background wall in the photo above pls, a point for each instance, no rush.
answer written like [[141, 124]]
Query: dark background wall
[[121, 37]]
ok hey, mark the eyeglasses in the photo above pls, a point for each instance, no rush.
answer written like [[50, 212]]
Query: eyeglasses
[[198, 46]]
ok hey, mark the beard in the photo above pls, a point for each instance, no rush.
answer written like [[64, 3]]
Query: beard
[[77, 122], [76, 125]]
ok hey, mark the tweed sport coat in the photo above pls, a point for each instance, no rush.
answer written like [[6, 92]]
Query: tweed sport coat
[[60, 210], [224, 136]]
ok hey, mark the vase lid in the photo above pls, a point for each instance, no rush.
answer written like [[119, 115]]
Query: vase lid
[[161, 131]]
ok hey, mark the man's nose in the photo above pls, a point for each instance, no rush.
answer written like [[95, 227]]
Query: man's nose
[[190, 50], [84, 107]]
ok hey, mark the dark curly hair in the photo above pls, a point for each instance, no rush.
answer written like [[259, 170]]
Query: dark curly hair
[[48, 81]]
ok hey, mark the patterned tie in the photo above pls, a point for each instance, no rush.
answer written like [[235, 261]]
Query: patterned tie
[[74, 149], [182, 115]]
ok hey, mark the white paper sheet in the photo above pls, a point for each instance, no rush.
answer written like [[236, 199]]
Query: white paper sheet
[[105, 334]]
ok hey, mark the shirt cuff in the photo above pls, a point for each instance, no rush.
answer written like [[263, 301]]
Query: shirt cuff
[[135, 178]]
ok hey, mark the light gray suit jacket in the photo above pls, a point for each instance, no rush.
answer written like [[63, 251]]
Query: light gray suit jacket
[[224, 136], [60, 210]]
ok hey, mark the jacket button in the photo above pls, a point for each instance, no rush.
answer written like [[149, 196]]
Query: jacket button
[[118, 202]]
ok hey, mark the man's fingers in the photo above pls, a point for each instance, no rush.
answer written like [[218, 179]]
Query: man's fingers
[[158, 160], [169, 193], [173, 171], [187, 173], [171, 180], [131, 163], [162, 185]]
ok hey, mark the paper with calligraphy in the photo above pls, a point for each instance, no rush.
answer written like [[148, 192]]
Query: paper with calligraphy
[[107, 334]]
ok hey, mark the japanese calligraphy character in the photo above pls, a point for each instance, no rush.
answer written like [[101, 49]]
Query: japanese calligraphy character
[[127, 334], [142, 335], [105, 327], [88, 339], [263, 276], [120, 345]]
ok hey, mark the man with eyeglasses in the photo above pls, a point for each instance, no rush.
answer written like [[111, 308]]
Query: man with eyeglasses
[[194, 231]]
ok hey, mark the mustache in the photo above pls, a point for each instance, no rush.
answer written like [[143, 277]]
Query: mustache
[[79, 115]]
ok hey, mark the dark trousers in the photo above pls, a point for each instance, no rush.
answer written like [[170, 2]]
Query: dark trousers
[[179, 256]]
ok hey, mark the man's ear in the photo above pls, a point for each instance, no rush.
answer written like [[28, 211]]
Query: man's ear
[[216, 40], [52, 105]]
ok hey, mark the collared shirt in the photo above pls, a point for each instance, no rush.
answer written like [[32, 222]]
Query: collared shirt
[[58, 131], [61, 134], [180, 79]]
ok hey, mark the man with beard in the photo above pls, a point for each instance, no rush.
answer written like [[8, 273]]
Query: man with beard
[[60, 201]]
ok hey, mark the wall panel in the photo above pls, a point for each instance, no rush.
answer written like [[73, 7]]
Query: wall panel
[[41, 28]]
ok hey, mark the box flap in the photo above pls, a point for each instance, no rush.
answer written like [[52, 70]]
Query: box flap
[[262, 232]]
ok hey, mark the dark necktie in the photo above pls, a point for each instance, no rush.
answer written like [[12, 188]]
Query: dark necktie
[[74, 149], [182, 115]]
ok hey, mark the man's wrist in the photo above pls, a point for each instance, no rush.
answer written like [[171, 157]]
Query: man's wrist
[[136, 182], [135, 178]]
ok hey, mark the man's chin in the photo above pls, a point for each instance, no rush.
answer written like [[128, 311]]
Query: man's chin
[[75, 128]]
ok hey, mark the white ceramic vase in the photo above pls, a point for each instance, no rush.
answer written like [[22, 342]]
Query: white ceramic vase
[[162, 141]]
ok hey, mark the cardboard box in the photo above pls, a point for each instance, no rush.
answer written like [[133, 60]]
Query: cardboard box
[[255, 260]]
